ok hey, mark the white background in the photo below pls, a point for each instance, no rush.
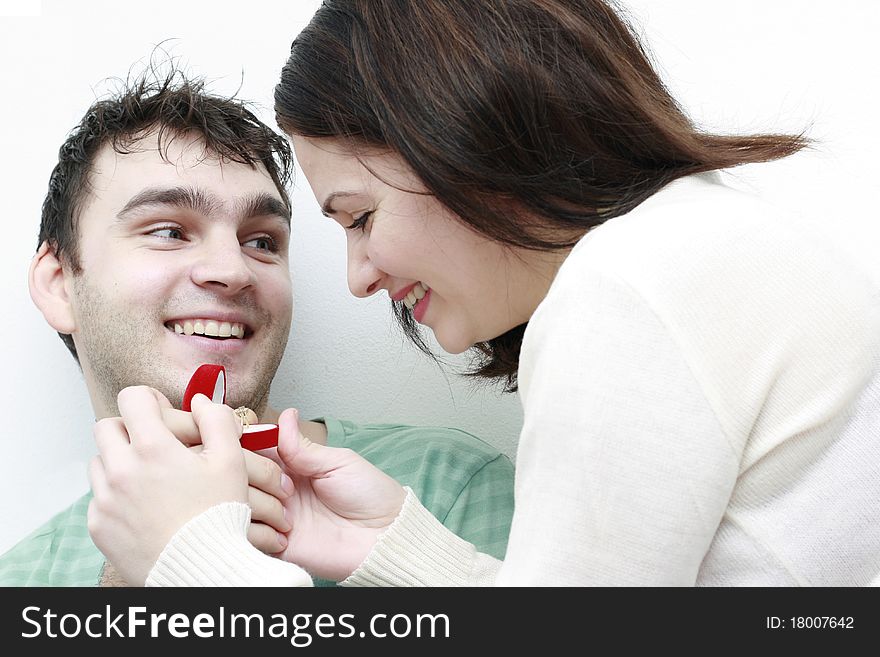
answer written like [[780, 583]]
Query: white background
[[748, 65]]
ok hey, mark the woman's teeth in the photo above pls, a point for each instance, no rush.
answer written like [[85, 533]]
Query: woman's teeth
[[210, 328], [415, 294]]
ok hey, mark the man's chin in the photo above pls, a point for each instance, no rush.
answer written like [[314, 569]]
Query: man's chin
[[248, 379], [256, 402]]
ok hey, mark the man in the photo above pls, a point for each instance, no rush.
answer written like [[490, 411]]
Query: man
[[164, 245]]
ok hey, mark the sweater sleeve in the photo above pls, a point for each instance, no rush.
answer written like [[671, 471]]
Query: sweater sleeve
[[212, 550], [417, 550]]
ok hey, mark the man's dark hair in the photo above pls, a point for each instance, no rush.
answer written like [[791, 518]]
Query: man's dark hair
[[164, 100]]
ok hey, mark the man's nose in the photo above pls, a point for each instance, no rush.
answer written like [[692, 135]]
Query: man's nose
[[222, 266]]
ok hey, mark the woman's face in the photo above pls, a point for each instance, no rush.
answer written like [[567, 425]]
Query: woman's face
[[466, 287]]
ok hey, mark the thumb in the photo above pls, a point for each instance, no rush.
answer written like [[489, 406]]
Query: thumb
[[217, 424], [299, 454]]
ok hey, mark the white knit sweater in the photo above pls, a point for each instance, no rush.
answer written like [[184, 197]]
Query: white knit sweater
[[701, 395]]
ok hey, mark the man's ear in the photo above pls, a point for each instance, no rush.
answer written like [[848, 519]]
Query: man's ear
[[48, 288]]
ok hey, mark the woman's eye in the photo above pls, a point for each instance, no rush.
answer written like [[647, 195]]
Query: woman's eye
[[263, 243], [360, 223]]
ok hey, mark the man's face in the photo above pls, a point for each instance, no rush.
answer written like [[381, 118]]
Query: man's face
[[172, 252]]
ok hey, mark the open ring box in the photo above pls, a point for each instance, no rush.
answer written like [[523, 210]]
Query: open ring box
[[210, 380]]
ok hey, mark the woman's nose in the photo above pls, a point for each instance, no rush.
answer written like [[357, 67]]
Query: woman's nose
[[364, 278]]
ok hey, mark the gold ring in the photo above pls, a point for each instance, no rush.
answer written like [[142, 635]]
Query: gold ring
[[243, 413]]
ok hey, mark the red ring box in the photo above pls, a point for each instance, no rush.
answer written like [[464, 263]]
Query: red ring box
[[210, 380]]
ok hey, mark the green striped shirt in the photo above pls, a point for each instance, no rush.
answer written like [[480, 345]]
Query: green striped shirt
[[464, 482]]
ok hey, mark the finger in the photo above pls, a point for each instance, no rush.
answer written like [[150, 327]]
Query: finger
[[299, 454], [267, 510], [270, 453], [143, 418], [182, 425], [219, 428], [161, 399], [97, 477], [266, 475], [266, 539], [112, 440]]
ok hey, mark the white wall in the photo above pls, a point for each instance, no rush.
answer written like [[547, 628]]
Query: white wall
[[745, 65]]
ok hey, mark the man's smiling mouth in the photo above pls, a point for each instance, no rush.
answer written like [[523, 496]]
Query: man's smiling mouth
[[210, 328]]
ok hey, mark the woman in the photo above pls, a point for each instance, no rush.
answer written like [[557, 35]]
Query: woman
[[699, 376]]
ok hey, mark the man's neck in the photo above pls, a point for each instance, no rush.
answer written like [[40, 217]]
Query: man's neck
[[270, 415]]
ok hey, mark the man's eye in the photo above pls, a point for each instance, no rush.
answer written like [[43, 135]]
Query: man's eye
[[263, 243], [168, 233]]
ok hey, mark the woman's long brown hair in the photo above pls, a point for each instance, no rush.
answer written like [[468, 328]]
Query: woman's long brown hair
[[532, 120]]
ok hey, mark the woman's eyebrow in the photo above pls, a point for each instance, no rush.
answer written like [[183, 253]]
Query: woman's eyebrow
[[327, 206]]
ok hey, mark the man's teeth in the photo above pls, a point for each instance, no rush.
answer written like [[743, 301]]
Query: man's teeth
[[210, 328], [415, 294]]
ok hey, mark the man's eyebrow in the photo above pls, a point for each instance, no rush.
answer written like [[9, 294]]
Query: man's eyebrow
[[256, 205], [327, 207], [181, 197], [263, 205]]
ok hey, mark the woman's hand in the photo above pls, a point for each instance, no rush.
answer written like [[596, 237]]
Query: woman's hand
[[340, 505], [146, 484], [267, 485]]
